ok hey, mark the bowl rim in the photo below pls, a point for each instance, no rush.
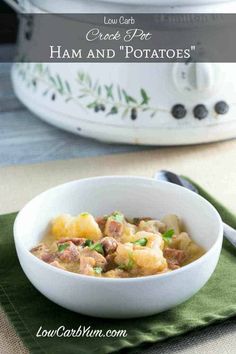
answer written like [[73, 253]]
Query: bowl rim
[[77, 276]]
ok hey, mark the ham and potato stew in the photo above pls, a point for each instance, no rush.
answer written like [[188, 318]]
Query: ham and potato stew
[[115, 246]]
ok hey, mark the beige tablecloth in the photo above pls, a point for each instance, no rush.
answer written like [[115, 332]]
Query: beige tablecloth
[[213, 166]]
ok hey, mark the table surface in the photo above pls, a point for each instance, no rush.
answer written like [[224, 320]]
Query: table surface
[[24, 139]]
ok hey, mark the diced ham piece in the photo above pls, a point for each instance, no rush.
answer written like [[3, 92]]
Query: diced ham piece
[[114, 228], [174, 257], [111, 264], [101, 221], [75, 240], [109, 245], [172, 265], [69, 254], [136, 221], [48, 257], [38, 248], [42, 252]]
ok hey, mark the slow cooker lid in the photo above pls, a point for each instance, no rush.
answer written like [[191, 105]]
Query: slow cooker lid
[[45, 4], [166, 3]]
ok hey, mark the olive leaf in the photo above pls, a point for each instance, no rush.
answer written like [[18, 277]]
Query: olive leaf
[[113, 110], [128, 98], [145, 98], [109, 90], [68, 86]]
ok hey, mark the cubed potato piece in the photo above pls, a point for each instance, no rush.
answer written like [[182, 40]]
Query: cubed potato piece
[[86, 226], [153, 240], [172, 222], [62, 226], [194, 252], [87, 265], [83, 225], [154, 226], [123, 253], [150, 261], [129, 233], [147, 260], [181, 241]]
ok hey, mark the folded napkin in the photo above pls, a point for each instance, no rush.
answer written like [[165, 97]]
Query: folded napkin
[[28, 310]]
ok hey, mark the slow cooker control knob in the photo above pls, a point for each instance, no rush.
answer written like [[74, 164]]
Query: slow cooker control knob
[[194, 77], [203, 77]]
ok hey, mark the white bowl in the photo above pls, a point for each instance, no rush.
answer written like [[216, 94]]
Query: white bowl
[[135, 196]]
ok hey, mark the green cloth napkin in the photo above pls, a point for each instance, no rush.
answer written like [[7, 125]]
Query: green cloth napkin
[[28, 310]]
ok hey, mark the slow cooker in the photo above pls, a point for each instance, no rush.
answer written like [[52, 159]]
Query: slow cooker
[[183, 104]]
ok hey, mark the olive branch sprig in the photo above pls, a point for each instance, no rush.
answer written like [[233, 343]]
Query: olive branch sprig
[[109, 99], [113, 98]]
